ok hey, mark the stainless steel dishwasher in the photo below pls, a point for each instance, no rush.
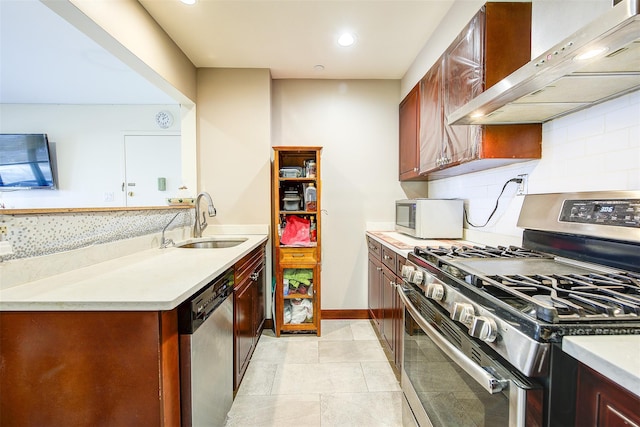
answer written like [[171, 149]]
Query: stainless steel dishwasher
[[206, 353]]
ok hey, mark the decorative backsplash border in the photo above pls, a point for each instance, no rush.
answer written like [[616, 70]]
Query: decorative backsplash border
[[44, 234]]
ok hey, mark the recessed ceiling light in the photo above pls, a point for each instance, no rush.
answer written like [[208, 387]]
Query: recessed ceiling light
[[346, 39], [318, 67], [189, 1]]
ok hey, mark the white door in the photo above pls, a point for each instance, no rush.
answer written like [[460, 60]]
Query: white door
[[150, 161]]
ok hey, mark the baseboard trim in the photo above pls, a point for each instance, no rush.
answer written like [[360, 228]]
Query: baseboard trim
[[345, 314]]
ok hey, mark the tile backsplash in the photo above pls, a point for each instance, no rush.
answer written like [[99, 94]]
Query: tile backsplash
[[48, 233], [594, 149]]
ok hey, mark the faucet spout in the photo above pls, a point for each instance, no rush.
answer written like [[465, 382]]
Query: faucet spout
[[199, 226]]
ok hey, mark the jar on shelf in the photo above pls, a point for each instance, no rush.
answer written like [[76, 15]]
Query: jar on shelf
[[310, 168], [310, 201]]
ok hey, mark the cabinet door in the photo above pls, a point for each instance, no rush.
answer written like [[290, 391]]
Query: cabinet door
[[244, 327], [431, 119], [602, 403], [259, 311], [409, 136], [375, 290], [388, 309], [298, 297], [463, 81]]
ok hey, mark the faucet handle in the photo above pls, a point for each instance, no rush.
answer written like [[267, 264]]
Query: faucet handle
[[166, 243]]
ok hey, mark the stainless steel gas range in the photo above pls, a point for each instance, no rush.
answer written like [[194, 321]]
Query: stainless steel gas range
[[484, 325]]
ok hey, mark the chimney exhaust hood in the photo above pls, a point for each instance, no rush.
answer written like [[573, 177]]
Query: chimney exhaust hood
[[565, 79]]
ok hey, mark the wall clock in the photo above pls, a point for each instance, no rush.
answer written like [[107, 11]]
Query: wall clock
[[164, 119]]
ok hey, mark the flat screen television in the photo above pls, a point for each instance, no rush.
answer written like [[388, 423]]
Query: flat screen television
[[25, 162]]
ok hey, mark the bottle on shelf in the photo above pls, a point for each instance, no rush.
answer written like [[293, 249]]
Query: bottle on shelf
[[310, 197], [313, 234]]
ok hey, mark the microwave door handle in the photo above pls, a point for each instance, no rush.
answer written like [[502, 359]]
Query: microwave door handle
[[479, 374]]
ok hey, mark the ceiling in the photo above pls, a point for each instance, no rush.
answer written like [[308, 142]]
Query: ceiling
[[44, 59]]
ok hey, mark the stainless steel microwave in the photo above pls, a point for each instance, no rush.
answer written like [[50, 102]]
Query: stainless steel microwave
[[430, 218]]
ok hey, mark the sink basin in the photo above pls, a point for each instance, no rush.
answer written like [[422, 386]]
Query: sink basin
[[212, 242]]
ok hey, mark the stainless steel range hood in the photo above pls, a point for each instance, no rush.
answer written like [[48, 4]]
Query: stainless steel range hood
[[558, 82]]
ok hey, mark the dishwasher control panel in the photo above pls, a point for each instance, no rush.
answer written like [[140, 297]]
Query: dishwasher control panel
[[194, 311]]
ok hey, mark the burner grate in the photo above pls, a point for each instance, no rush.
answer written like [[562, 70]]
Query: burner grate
[[465, 251], [557, 298]]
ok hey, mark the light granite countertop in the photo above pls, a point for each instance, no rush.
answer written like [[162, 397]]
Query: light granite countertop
[[617, 357], [151, 279], [403, 244]]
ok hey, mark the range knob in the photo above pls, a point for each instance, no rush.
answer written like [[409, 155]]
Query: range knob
[[484, 328], [435, 291], [406, 271], [463, 312], [417, 277]]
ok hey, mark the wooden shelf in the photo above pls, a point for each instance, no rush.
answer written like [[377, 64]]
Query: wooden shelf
[[298, 296]]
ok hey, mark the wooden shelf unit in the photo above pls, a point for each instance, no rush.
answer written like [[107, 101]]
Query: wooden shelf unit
[[296, 265]]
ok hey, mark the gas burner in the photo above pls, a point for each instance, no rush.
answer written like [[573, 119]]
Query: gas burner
[[571, 297], [484, 252]]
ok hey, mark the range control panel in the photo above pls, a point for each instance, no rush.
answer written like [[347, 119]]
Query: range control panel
[[615, 212]]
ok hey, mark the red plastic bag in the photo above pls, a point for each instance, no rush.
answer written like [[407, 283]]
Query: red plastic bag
[[296, 232]]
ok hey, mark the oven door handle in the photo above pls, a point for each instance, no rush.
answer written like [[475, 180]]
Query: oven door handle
[[477, 372]]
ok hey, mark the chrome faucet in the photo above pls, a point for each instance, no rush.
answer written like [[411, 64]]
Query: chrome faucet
[[199, 227], [166, 242]]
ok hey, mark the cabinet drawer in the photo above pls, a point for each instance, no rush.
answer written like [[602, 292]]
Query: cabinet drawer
[[389, 258], [248, 264], [400, 262], [298, 255], [375, 248]]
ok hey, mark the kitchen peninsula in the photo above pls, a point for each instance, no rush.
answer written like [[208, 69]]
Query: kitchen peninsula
[[100, 343]]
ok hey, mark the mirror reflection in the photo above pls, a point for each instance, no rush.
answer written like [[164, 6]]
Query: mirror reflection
[[115, 138]]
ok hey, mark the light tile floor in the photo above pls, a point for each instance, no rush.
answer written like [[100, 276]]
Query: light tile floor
[[342, 378]]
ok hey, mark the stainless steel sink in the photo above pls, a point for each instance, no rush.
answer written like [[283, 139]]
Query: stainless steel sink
[[212, 242]]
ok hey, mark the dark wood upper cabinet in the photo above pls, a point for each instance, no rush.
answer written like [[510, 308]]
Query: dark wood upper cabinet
[[496, 42], [409, 137]]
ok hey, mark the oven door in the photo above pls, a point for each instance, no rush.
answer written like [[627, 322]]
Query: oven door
[[449, 379]]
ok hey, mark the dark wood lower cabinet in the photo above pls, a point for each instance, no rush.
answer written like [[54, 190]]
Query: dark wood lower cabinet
[[89, 369], [602, 403], [248, 310], [384, 303]]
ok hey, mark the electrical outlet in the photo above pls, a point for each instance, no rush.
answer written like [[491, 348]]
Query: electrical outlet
[[3, 229], [523, 186]]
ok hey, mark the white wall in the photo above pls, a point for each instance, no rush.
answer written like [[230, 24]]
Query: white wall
[[593, 149], [89, 147], [356, 123], [234, 147], [234, 143]]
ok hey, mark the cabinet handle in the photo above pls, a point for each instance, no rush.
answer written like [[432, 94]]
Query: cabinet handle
[[297, 255], [379, 268], [387, 257]]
